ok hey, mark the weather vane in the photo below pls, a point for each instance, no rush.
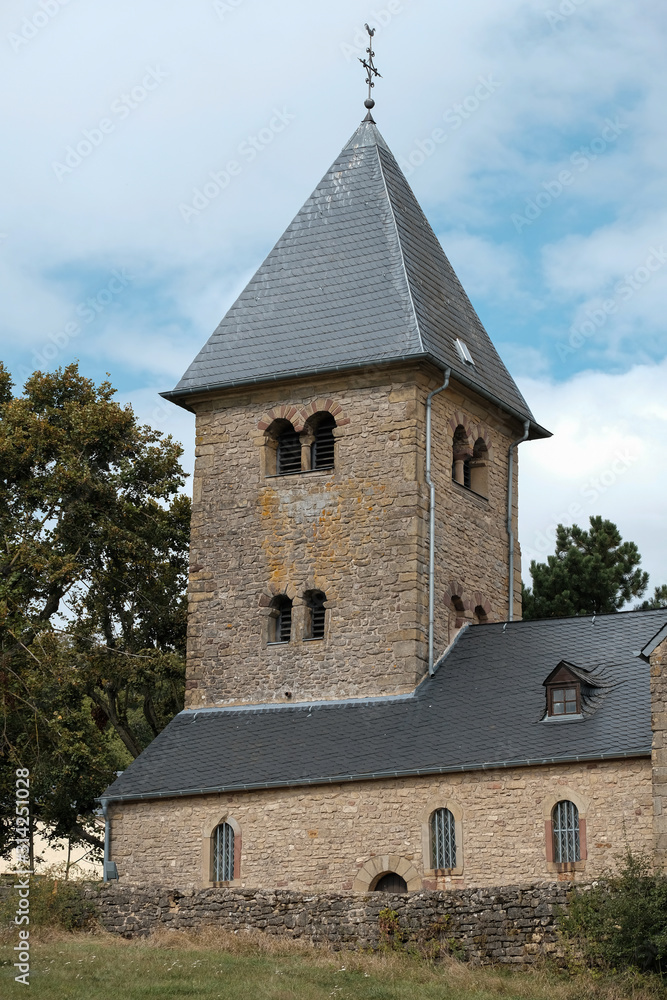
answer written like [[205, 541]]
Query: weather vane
[[369, 66]]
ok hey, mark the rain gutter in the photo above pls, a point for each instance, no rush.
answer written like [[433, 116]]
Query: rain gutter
[[510, 528], [375, 775], [179, 396]]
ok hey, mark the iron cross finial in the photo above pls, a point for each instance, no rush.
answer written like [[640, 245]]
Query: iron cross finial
[[369, 66]]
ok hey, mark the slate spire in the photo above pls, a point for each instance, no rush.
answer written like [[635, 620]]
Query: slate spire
[[358, 278]]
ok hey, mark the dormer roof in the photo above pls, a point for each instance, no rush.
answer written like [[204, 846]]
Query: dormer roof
[[358, 278], [566, 672]]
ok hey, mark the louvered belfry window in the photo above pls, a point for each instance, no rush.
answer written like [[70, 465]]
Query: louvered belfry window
[[289, 452], [223, 853], [443, 839], [316, 602], [322, 448], [566, 832]]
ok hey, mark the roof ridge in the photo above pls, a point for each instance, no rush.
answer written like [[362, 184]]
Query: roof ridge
[[400, 249], [570, 618]]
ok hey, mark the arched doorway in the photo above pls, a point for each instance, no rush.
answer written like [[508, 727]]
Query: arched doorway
[[391, 882]]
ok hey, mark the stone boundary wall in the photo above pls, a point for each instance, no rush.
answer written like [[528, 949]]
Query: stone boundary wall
[[508, 925]]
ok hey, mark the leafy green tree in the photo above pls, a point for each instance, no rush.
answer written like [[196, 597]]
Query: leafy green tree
[[93, 566], [591, 572], [655, 603]]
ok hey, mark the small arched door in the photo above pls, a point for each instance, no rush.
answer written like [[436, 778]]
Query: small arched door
[[391, 882]]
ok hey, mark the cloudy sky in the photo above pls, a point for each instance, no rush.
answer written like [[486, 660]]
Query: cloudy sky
[[532, 132]]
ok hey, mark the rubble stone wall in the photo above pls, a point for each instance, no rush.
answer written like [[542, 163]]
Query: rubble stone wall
[[507, 925]]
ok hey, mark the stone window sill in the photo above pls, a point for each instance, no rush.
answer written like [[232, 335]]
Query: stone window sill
[[477, 498], [301, 472], [566, 866]]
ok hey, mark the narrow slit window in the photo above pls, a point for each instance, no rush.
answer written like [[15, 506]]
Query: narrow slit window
[[565, 819], [443, 839], [223, 853]]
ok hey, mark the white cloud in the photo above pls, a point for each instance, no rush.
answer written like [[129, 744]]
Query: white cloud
[[607, 457], [489, 270]]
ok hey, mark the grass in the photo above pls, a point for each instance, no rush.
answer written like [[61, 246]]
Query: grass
[[212, 965]]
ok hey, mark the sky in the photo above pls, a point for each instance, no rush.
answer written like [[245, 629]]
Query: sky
[[531, 131]]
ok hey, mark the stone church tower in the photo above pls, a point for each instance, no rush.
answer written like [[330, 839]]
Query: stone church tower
[[355, 505], [310, 560]]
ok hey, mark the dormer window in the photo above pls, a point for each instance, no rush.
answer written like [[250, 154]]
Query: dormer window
[[564, 691], [564, 700]]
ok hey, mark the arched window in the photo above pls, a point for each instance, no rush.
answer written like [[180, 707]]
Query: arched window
[[479, 468], [461, 457], [322, 447], [391, 882], [281, 619], [480, 615], [288, 457], [315, 601], [223, 853], [443, 839], [565, 826]]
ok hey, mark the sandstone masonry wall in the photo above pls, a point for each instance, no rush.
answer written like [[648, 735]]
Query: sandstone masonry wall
[[358, 532], [341, 837], [508, 925]]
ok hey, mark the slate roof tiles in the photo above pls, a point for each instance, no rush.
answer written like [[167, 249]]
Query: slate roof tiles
[[358, 278], [484, 707]]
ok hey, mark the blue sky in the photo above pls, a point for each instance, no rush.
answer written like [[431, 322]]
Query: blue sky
[[533, 135]]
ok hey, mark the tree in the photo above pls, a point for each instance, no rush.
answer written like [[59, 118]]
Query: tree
[[655, 603], [592, 572], [93, 566]]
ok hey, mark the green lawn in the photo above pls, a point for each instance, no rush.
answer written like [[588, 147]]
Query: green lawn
[[212, 965]]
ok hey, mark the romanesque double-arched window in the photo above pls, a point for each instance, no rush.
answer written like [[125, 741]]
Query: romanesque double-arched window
[[312, 449], [470, 462], [308, 623]]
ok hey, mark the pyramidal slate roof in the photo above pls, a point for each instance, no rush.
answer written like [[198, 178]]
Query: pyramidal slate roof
[[358, 278], [483, 708]]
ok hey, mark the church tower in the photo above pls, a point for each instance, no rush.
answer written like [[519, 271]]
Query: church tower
[[316, 523]]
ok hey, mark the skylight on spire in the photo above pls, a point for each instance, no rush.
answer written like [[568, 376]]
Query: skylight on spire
[[464, 353]]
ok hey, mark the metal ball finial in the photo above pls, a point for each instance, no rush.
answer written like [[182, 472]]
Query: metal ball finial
[[369, 103]]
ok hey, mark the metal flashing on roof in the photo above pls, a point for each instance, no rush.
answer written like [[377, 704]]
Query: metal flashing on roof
[[657, 639]]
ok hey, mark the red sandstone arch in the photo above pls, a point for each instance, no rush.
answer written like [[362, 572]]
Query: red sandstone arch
[[298, 415], [469, 601]]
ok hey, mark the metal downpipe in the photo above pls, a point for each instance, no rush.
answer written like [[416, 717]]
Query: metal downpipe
[[431, 523], [107, 835], [510, 528]]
